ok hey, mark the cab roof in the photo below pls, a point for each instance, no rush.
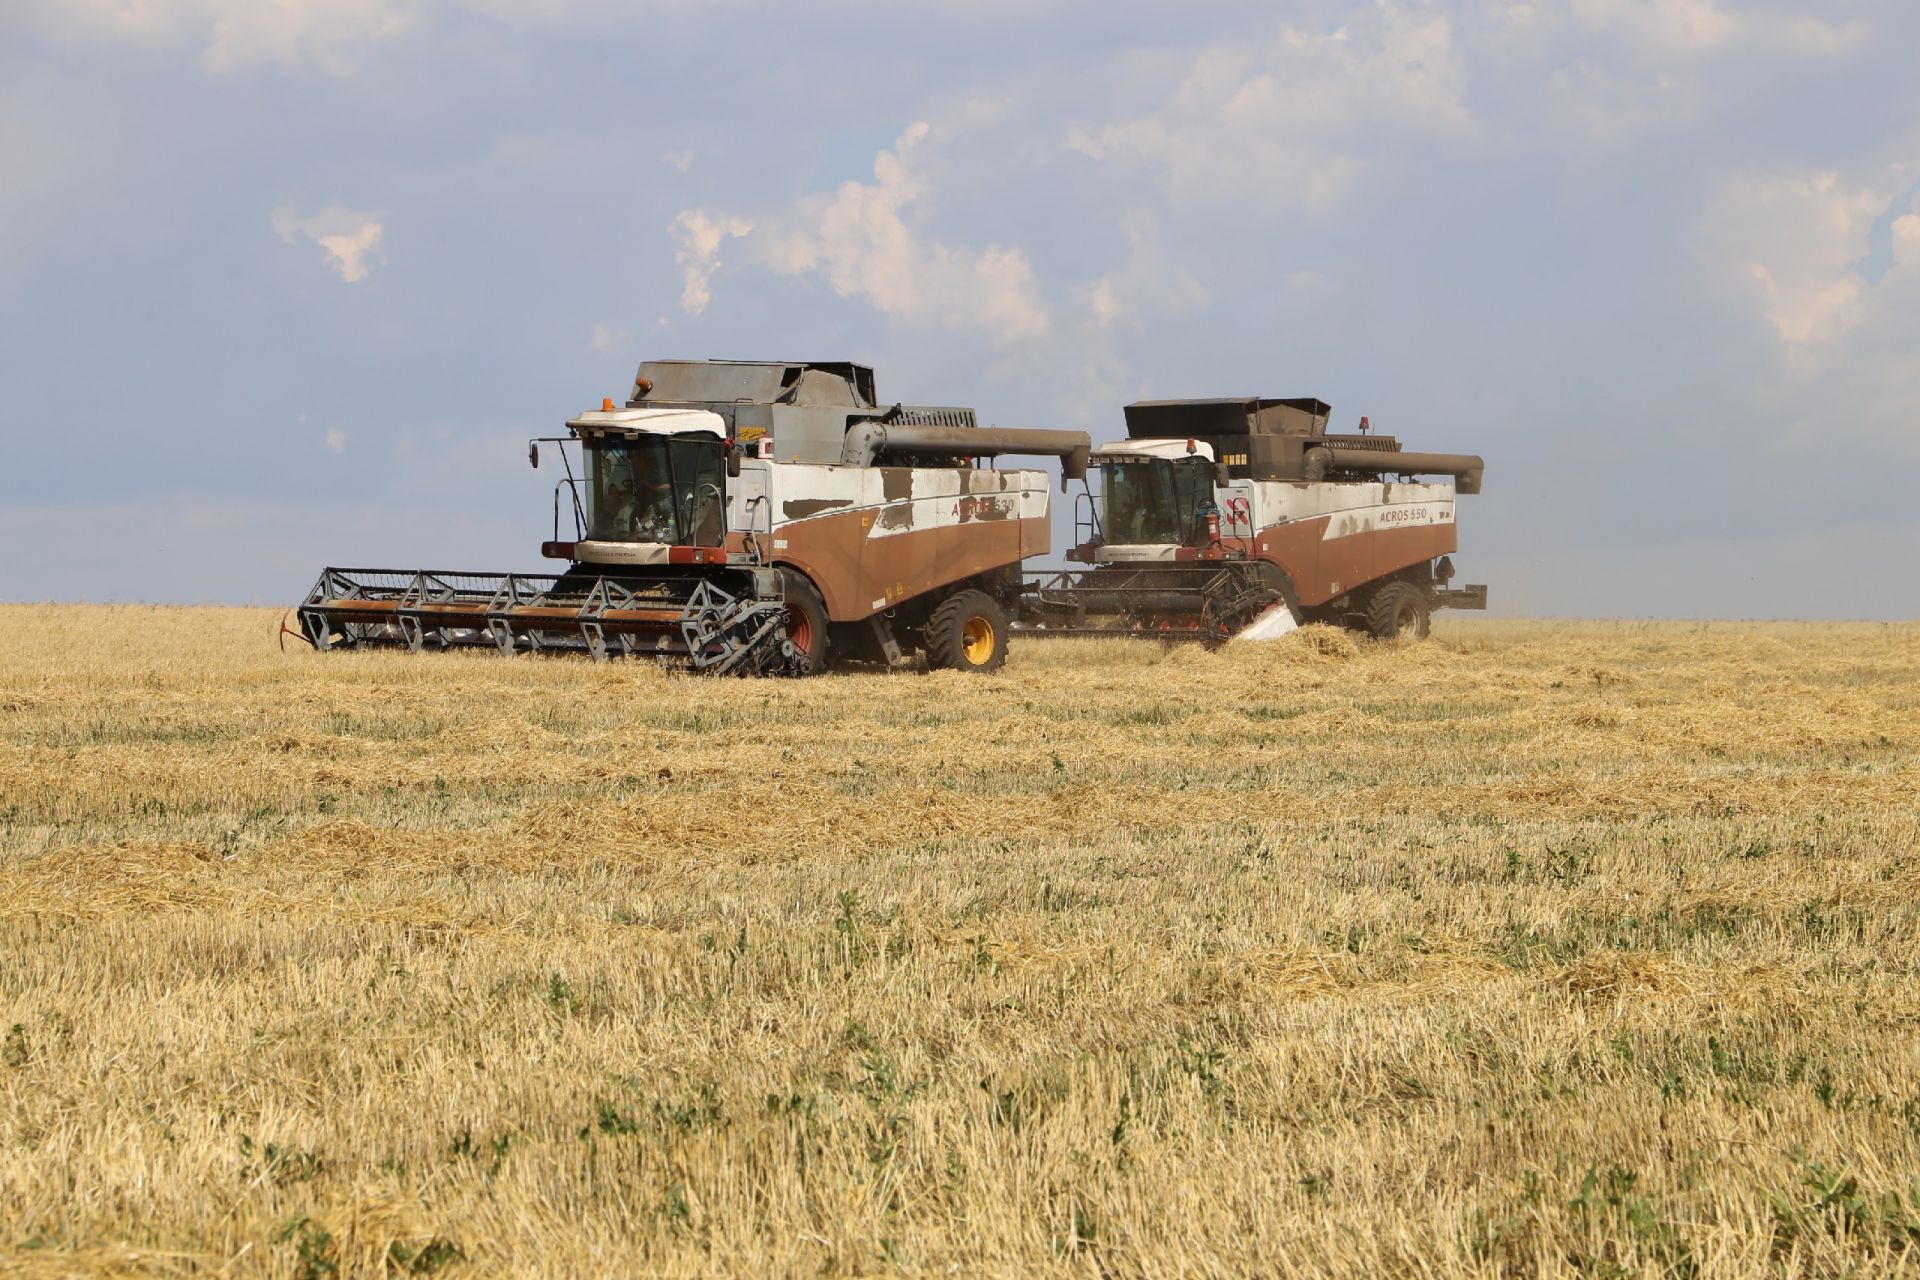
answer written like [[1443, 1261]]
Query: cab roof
[[1146, 450], [648, 422]]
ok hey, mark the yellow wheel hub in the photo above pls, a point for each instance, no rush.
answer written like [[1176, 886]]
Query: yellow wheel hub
[[977, 639]]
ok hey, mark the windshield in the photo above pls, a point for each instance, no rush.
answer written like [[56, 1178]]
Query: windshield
[[656, 489], [1157, 501]]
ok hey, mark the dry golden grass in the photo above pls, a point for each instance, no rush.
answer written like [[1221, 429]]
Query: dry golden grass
[[1557, 949]]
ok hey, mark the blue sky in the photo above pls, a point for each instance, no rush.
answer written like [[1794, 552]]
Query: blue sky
[[289, 283]]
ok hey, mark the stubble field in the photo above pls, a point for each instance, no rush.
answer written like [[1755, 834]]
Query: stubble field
[[1541, 948]]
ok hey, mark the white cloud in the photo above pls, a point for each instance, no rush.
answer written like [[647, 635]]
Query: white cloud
[[1802, 246], [1613, 110], [351, 241], [337, 440], [1798, 240], [329, 34], [1104, 302], [1513, 15], [1810, 35], [236, 34], [1143, 294], [679, 160], [865, 239], [608, 338], [1803, 311], [1292, 121], [1686, 25], [1906, 240], [700, 235], [1700, 26], [1146, 286]]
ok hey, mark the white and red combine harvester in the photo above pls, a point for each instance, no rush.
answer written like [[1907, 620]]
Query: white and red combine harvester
[[749, 517], [1243, 518]]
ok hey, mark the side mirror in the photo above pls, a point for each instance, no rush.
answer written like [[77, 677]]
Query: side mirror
[[733, 460], [533, 454], [1222, 475]]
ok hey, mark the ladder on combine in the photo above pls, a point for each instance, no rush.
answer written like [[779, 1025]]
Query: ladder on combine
[[690, 619]]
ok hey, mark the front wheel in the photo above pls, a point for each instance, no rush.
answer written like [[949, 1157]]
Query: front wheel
[[1398, 611], [806, 622], [967, 632]]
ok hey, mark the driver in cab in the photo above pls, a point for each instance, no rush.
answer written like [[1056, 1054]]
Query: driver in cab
[[638, 508], [653, 519]]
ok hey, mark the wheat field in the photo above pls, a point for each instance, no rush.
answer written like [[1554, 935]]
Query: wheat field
[[1537, 949]]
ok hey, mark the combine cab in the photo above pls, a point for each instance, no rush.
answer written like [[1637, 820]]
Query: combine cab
[[744, 518], [1232, 518]]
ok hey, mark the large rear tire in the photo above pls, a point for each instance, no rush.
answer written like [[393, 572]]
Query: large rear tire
[[806, 621], [1398, 611], [967, 632]]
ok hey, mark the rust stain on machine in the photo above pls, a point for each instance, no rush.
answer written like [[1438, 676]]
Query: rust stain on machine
[[801, 508]]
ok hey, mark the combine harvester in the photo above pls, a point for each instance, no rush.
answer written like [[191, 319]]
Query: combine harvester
[[1242, 518], [746, 517]]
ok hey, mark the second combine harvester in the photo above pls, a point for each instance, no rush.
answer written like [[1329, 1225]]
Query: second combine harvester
[[1244, 517], [747, 517]]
